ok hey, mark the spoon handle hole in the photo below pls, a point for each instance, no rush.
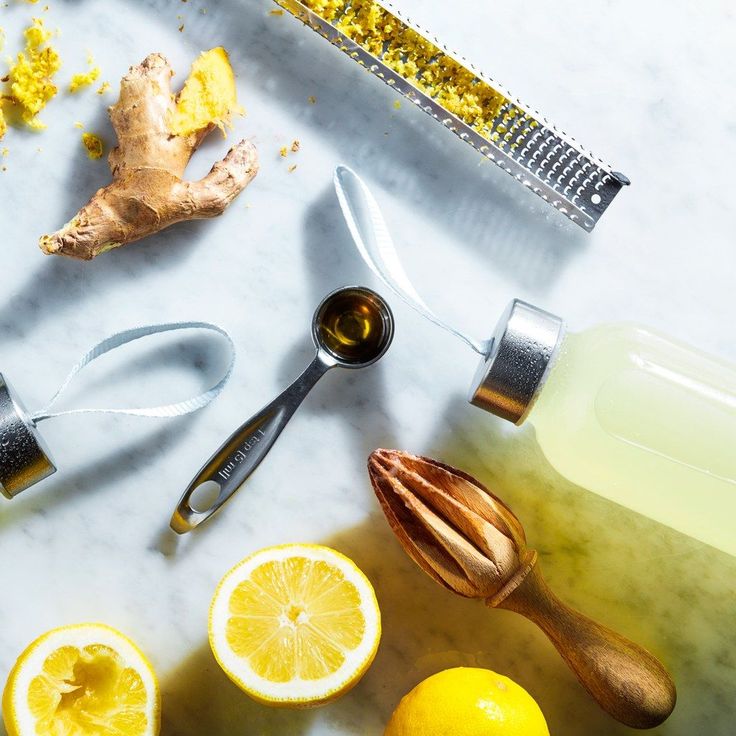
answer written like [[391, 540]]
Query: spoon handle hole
[[204, 496]]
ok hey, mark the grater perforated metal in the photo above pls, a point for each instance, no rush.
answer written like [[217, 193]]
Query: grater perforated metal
[[522, 142]]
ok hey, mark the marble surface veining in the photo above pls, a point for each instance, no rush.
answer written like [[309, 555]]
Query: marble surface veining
[[648, 86]]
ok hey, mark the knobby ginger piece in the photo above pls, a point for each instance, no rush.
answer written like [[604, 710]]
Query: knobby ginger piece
[[157, 134]]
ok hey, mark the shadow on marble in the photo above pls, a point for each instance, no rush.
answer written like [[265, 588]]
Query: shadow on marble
[[411, 157], [199, 699], [60, 286], [94, 476]]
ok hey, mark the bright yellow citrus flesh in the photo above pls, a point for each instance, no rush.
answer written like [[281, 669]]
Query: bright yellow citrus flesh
[[467, 701], [295, 625], [84, 680]]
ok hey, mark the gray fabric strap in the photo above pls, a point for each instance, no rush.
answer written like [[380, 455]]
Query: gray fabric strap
[[122, 338]]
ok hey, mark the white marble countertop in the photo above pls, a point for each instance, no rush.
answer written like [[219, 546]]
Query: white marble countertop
[[648, 86]]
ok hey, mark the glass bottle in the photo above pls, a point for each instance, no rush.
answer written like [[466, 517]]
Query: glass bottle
[[621, 410]]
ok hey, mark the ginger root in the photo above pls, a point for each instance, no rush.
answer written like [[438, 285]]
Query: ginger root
[[148, 193]]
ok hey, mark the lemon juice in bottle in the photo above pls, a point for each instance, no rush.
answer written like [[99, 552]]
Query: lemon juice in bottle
[[623, 411]]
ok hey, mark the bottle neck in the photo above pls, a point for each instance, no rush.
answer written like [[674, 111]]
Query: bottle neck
[[524, 348]]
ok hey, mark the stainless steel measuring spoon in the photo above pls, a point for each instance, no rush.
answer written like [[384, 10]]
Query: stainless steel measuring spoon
[[351, 328]]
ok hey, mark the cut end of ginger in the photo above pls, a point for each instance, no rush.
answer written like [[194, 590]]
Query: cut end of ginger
[[209, 96]]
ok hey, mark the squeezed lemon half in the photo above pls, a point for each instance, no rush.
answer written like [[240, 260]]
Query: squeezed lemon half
[[295, 625], [83, 680]]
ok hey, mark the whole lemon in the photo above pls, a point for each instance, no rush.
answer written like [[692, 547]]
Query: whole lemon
[[467, 701]]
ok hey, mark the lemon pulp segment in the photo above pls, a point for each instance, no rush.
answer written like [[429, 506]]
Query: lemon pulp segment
[[295, 619], [87, 690]]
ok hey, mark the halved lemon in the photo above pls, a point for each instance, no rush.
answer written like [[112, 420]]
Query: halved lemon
[[83, 680], [295, 625]]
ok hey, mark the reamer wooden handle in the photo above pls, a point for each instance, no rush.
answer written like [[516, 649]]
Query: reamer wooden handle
[[626, 680]]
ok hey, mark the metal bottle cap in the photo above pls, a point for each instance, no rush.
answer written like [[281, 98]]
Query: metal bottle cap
[[524, 347], [24, 459]]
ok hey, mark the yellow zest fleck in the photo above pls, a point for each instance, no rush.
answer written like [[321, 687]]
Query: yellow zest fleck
[[4, 153], [276, 12], [283, 152], [104, 87], [31, 77], [87, 78], [79, 125], [397, 104], [94, 145]]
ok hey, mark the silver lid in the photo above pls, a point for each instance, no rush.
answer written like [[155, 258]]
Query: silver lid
[[24, 459], [509, 377]]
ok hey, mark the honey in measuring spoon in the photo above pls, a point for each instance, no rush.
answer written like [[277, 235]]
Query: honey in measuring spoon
[[352, 327]]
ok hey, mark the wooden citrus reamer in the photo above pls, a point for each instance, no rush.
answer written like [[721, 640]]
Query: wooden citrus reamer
[[468, 540]]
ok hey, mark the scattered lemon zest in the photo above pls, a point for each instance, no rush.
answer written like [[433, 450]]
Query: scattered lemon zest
[[31, 77], [283, 152], [85, 79], [397, 104], [104, 87], [79, 125], [94, 144], [278, 11]]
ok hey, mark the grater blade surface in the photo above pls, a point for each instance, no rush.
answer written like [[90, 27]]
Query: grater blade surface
[[522, 142]]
